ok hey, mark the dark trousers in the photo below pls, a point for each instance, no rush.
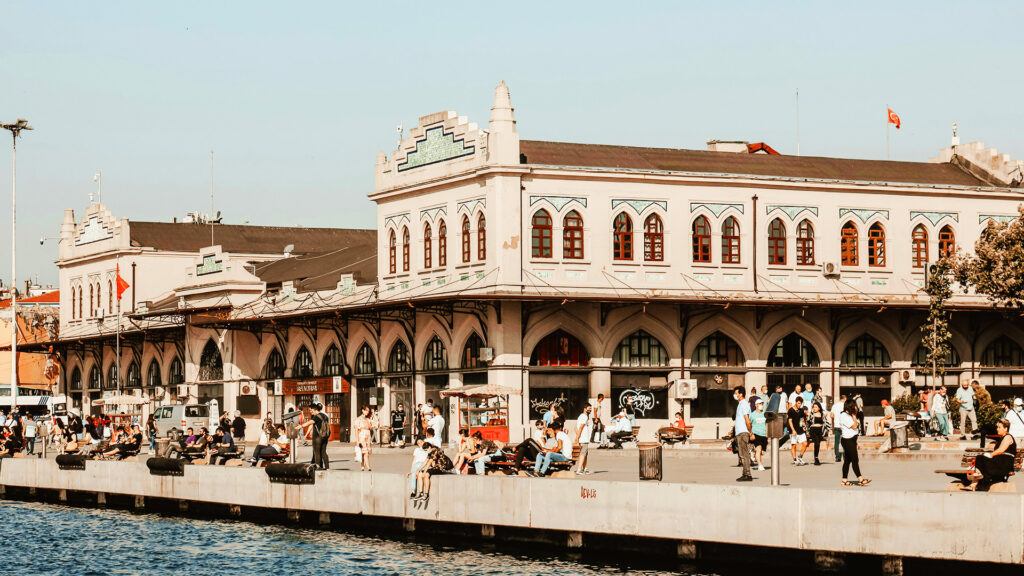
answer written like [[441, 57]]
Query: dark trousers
[[994, 469], [839, 437], [815, 436], [618, 437], [261, 451], [30, 445], [320, 459], [743, 447], [527, 449], [398, 435], [850, 457]]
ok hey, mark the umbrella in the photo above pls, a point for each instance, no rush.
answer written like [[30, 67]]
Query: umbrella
[[482, 391], [122, 400]]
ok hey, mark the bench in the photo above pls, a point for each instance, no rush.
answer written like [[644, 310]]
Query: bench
[[963, 476], [507, 463], [672, 435], [280, 457]]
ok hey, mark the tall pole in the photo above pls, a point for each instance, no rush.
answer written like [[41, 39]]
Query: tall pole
[[797, 121], [117, 343], [15, 130], [887, 156], [211, 198]]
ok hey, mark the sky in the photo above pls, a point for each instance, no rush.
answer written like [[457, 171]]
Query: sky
[[296, 99]]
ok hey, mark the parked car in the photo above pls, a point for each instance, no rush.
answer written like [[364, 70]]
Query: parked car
[[178, 417]]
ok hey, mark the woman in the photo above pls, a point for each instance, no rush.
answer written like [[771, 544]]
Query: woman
[[277, 445], [375, 425], [816, 430], [849, 428], [759, 428], [461, 457], [152, 432], [997, 465], [267, 433], [363, 441], [58, 435]]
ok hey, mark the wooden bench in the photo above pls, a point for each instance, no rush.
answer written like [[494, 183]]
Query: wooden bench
[[508, 463], [672, 435], [281, 456], [962, 476]]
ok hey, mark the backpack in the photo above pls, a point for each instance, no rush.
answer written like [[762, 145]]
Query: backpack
[[444, 463], [324, 426]]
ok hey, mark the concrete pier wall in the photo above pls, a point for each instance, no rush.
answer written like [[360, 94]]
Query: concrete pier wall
[[970, 527]]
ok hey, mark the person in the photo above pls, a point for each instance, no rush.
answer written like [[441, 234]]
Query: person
[[429, 438], [437, 423], [481, 451], [398, 421], [887, 419], [1016, 418], [277, 444], [417, 422], [759, 429], [263, 442], [127, 446], [680, 423], [560, 452], [463, 447], [965, 395], [419, 456], [797, 393], [531, 447], [997, 464], [223, 446], [224, 422], [584, 431], [779, 403], [375, 426], [598, 437], [364, 439], [940, 411], [549, 416], [807, 395], [858, 401], [621, 429], [837, 409], [849, 429], [238, 426], [30, 434], [816, 429], [741, 430], [319, 426], [796, 422], [426, 414], [152, 432], [436, 463]]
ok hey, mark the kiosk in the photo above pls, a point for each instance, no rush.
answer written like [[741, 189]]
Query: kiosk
[[484, 409]]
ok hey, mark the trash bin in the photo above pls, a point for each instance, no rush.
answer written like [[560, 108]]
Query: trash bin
[[776, 424], [650, 461], [899, 437], [163, 446], [292, 430]]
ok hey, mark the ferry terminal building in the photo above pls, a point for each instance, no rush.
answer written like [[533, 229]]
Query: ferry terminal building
[[554, 272]]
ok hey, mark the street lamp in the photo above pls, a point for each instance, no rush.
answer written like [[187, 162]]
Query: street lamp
[[15, 130]]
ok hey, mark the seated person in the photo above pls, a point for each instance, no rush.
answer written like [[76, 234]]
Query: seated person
[[129, 444], [223, 446], [679, 422], [8, 447], [436, 463], [887, 419], [560, 452], [481, 452], [622, 428], [997, 465], [419, 456], [198, 443], [278, 445], [532, 446], [465, 449]]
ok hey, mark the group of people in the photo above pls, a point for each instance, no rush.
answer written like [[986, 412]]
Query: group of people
[[18, 433]]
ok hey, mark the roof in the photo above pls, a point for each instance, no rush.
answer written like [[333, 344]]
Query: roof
[[678, 160], [189, 237], [322, 271], [52, 297]]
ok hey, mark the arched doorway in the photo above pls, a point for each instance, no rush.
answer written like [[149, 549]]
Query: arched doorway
[[640, 376], [792, 361], [559, 373], [864, 369], [366, 377], [337, 405], [399, 380], [948, 367], [211, 375], [1002, 369], [718, 365], [435, 379]]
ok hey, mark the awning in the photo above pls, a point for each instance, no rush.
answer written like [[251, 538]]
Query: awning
[[483, 391], [122, 400], [26, 400]]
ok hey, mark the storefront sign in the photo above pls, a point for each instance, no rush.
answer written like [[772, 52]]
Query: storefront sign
[[323, 385]]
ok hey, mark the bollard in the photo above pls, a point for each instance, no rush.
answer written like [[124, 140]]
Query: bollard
[[775, 461]]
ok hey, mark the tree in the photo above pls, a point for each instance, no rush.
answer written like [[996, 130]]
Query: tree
[[997, 267], [936, 335]]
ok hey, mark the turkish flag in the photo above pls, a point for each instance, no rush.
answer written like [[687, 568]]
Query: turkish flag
[[121, 284], [893, 118]]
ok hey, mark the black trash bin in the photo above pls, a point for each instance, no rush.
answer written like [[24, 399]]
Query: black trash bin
[[899, 436], [650, 461]]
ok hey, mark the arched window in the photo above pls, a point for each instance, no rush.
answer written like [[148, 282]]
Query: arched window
[[481, 238], [110, 297], [951, 359], [793, 351], [76, 379], [366, 362], [303, 366], [876, 245], [465, 239], [274, 368], [331, 364], [947, 242], [81, 312], [95, 380], [92, 302], [622, 229], [398, 360], [541, 234], [428, 246], [717, 350], [133, 379], [730, 241], [442, 244], [73, 304], [805, 244], [153, 375], [640, 349], [559, 349], [919, 246], [1002, 352], [176, 375], [405, 248], [112, 376], [572, 236], [436, 356], [392, 253], [211, 365], [866, 352], [848, 243], [777, 242], [654, 239], [471, 352], [701, 240]]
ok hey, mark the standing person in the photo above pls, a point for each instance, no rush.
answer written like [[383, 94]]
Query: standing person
[[759, 429], [858, 401], [375, 425], [965, 394], [940, 411], [798, 392], [1015, 417], [437, 424], [816, 429], [584, 431], [779, 403], [319, 426], [808, 396], [152, 432], [598, 437], [796, 422], [837, 409], [363, 437], [849, 429], [550, 415], [238, 426], [741, 429], [417, 422], [30, 434], [398, 421]]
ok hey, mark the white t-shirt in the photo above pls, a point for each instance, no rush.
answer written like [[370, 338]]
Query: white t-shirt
[[264, 440], [566, 443], [435, 440], [30, 429], [428, 409], [623, 425], [846, 426], [794, 396], [1016, 423], [837, 410], [585, 423], [437, 425], [282, 440], [538, 435]]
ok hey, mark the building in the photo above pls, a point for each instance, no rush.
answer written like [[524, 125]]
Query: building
[[558, 271], [37, 322]]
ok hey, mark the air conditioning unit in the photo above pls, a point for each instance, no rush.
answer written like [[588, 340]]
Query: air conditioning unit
[[486, 354], [248, 389], [907, 375], [684, 389], [278, 387], [830, 268], [158, 393], [182, 390]]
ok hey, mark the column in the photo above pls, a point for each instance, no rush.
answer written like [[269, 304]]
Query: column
[[454, 381], [825, 379]]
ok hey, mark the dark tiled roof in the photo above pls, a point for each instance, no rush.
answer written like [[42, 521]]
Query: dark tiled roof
[[185, 237], [676, 160], [323, 271]]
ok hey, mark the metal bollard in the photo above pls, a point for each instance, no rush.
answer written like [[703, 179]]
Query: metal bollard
[[775, 461]]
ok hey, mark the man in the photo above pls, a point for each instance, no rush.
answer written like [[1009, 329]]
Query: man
[[796, 420], [437, 423], [417, 421], [833, 415], [887, 419], [238, 426], [797, 393], [764, 395], [321, 429], [741, 429], [598, 437], [482, 452], [398, 421], [965, 394], [530, 448], [808, 396], [561, 452], [430, 438], [778, 403], [30, 435], [223, 445], [1016, 417], [621, 429], [584, 430], [940, 409]]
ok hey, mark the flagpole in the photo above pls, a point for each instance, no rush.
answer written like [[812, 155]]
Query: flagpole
[[117, 345], [887, 122]]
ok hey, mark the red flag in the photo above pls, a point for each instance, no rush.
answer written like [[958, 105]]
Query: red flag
[[121, 284], [894, 119]]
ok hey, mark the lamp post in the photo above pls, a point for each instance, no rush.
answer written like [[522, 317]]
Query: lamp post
[[15, 130]]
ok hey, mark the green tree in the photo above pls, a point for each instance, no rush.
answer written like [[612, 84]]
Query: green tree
[[936, 335], [996, 269]]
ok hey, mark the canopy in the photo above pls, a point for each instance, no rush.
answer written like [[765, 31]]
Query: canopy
[[122, 400], [481, 391]]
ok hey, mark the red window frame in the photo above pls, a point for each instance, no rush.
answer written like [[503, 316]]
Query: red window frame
[[428, 247], [947, 242], [405, 249], [572, 236], [442, 244], [848, 243], [919, 246], [622, 230], [541, 239], [777, 242], [876, 245], [701, 239], [392, 253], [805, 243], [560, 349], [481, 238], [654, 239], [731, 241], [465, 239]]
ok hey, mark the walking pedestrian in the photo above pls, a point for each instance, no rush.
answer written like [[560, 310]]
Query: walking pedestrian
[[965, 394], [797, 422], [30, 434], [837, 409], [759, 428], [940, 410], [417, 423], [741, 429], [816, 429], [779, 403], [859, 403], [375, 425], [598, 434], [584, 431], [849, 428], [151, 431], [364, 440], [436, 423]]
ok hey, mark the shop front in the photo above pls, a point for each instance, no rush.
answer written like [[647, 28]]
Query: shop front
[[559, 376], [483, 409], [330, 390], [718, 365], [865, 370]]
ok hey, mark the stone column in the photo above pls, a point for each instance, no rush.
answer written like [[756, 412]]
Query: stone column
[[454, 381]]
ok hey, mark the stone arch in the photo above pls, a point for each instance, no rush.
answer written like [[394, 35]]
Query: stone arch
[[463, 332], [387, 344], [666, 336], [991, 335], [325, 339], [425, 332], [566, 322], [726, 325], [872, 328], [803, 328], [359, 334]]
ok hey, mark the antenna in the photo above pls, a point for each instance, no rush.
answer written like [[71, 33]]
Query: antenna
[[401, 132], [211, 198], [797, 121], [956, 139], [98, 179]]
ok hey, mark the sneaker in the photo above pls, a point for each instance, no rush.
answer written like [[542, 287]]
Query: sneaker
[[760, 468], [839, 459], [412, 495], [817, 462], [745, 478]]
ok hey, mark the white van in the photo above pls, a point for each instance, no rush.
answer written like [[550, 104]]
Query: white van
[[179, 417]]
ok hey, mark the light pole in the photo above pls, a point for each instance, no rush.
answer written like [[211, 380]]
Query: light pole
[[15, 130]]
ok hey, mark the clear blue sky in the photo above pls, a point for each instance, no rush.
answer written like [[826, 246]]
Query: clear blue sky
[[297, 98]]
